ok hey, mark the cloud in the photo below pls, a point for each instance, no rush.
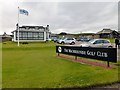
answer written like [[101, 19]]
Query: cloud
[[71, 17]]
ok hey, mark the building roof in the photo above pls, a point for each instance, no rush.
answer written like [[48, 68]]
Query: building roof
[[39, 27], [106, 31], [29, 28], [118, 31], [5, 35]]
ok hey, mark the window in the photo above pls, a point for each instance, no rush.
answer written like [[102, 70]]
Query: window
[[20, 34], [105, 41], [24, 34], [30, 35], [35, 34], [98, 42], [41, 34], [70, 39]]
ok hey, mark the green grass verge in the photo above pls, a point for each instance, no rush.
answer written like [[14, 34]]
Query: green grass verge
[[35, 65], [112, 40]]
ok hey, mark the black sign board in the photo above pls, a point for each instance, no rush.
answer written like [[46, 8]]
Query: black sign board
[[104, 54]]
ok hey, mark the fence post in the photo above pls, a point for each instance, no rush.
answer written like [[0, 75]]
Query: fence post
[[58, 54], [75, 57], [108, 64]]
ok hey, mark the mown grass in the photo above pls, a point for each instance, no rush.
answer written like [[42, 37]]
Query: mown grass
[[112, 40], [36, 65]]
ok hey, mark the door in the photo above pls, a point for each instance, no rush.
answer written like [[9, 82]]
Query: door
[[98, 43], [106, 43]]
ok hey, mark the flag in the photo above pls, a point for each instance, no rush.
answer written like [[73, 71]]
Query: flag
[[25, 12]]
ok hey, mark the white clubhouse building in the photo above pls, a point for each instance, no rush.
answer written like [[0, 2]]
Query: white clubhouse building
[[31, 33]]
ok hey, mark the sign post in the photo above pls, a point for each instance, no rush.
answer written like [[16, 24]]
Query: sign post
[[75, 57], [58, 54]]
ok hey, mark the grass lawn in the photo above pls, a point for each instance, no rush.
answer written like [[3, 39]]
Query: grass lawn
[[36, 66], [112, 40]]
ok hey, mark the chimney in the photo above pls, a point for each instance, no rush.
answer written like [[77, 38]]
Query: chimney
[[47, 27]]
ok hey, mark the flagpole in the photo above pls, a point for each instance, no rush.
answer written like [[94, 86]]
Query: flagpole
[[18, 26]]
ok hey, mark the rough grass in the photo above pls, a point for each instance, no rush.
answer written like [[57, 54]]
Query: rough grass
[[35, 65]]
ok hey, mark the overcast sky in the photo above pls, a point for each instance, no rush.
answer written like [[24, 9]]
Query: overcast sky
[[70, 17]]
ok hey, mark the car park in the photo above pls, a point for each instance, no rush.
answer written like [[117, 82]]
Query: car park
[[103, 43], [67, 41]]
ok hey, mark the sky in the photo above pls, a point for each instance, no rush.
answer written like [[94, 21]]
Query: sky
[[73, 16]]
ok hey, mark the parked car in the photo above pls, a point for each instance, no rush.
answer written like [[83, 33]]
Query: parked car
[[97, 43], [55, 39], [84, 39], [67, 41], [49, 39]]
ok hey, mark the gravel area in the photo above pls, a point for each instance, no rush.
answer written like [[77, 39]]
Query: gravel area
[[115, 85]]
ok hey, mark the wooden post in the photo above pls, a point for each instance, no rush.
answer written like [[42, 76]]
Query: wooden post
[[108, 64], [58, 54], [75, 57]]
